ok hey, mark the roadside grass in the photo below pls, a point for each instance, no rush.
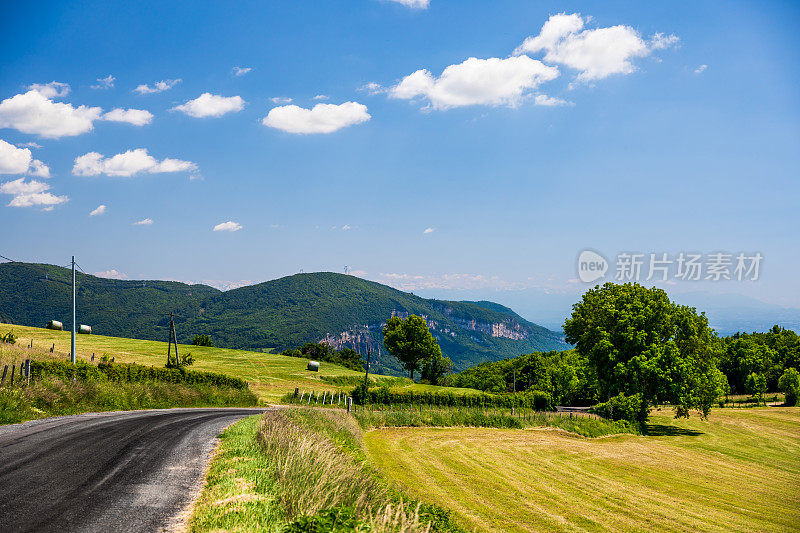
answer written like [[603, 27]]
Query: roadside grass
[[738, 471], [303, 469], [240, 492], [270, 376]]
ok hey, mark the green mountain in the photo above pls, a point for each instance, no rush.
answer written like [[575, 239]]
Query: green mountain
[[344, 311]]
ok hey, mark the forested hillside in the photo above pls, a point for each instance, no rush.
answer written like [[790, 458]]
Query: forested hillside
[[344, 311]]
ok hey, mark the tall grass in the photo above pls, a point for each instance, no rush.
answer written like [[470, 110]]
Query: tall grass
[[54, 397], [586, 426]]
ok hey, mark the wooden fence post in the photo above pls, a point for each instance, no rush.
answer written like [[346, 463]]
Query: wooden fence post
[[28, 370], [13, 368], [5, 371]]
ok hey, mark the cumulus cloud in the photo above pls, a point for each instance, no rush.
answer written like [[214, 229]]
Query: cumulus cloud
[[491, 81], [413, 4], [281, 100], [543, 99], [321, 97], [596, 53], [127, 164], [144, 222], [111, 274], [428, 230], [137, 117], [30, 194], [322, 118], [97, 211], [228, 226], [53, 89], [700, 69], [35, 113], [241, 71], [158, 87], [211, 105], [105, 83], [15, 160]]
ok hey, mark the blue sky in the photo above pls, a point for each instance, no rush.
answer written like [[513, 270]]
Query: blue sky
[[676, 128]]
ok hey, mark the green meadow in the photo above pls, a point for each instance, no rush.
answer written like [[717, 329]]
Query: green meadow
[[738, 471]]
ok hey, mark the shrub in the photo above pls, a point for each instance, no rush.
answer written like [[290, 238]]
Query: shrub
[[789, 383], [537, 400], [202, 340], [621, 407]]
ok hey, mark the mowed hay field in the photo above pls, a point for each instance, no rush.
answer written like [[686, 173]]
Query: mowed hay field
[[739, 471], [270, 375]]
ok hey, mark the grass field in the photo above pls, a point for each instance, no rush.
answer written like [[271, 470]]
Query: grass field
[[270, 375], [739, 471]]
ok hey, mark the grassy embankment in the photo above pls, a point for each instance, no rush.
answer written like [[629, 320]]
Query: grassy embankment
[[303, 470], [738, 471], [52, 391], [270, 376]]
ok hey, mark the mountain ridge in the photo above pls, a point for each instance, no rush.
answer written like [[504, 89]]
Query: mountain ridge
[[342, 310]]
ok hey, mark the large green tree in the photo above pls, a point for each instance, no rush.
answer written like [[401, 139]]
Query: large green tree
[[642, 344], [411, 342]]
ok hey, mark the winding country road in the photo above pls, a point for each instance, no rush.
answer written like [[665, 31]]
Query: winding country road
[[121, 471]]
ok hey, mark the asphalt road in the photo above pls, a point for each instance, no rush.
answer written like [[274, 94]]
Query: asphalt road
[[122, 471]]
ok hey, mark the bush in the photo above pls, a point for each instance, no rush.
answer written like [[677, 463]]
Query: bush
[[203, 340], [537, 400], [621, 407], [9, 338], [131, 372], [789, 383]]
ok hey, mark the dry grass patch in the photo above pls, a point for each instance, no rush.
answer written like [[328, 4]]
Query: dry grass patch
[[737, 472]]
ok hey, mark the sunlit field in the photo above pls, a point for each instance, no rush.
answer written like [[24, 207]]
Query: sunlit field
[[739, 471]]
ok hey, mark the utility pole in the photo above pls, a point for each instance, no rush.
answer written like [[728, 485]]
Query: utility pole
[[366, 375], [72, 353], [172, 335]]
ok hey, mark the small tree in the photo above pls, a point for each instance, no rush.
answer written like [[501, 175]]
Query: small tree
[[756, 384], [435, 368], [789, 383], [202, 340], [410, 341]]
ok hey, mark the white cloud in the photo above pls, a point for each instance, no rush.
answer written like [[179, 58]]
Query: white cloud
[[105, 83], [97, 211], [211, 105], [700, 69], [322, 118], [144, 222], [53, 89], [111, 274], [321, 97], [241, 71], [228, 226], [428, 230], [543, 99], [39, 169], [31, 193], [596, 53], [373, 88], [33, 112], [15, 160], [281, 100], [137, 117], [158, 87], [30, 145], [414, 4], [346, 227], [659, 41], [491, 81], [127, 164]]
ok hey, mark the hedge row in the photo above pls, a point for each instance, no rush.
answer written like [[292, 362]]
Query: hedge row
[[131, 372], [537, 400]]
